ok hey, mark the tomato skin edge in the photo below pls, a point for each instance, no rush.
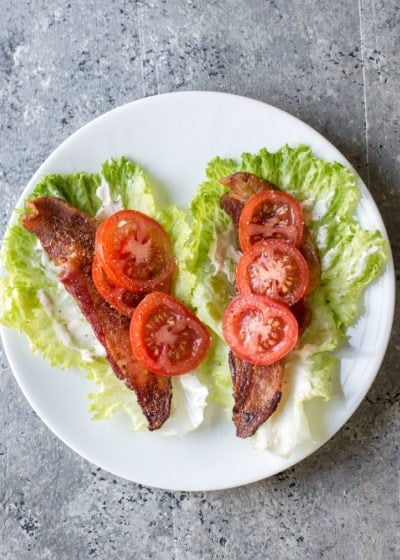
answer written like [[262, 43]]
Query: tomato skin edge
[[237, 307], [102, 244], [138, 323], [272, 246], [112, 294], [252, 204]]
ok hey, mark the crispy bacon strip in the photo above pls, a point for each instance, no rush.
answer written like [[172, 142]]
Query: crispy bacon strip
[[311, 254], [257, 390], [67, 235], [243, 185]]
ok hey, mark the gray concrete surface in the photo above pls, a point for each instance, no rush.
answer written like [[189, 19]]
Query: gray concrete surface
[[333, 65]]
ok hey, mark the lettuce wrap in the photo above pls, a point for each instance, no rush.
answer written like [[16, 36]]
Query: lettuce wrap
[[351, 258], [34, 302]]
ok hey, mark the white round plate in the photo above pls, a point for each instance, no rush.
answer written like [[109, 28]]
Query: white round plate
[[173, 137]]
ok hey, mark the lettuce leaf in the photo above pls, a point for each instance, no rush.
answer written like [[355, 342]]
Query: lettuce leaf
[[34, 302], [351, 259]]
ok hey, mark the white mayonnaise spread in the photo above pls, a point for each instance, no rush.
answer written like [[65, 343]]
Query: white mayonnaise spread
[[108, 205], [223, 254], [70, 325], [322, 237]]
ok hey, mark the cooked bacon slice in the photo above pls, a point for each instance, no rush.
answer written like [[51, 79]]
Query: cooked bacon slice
[[301, 310], [311, 254], [68, 235], [242, 186], [257, 391]]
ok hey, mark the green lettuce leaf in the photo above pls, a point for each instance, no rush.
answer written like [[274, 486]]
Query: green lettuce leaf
[[78, 189], [35, 303], [175, 222], [211, 262], [351, 259]]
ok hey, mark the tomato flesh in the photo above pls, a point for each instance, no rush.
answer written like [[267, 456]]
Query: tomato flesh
[[167, 338], [259, 329], [273, 268], [134, 251], [120, 299], [270, 213]]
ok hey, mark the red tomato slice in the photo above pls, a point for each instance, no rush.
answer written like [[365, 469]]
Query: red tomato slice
[[134, 251], [122, 300], [270, 213], [258, 329], [167, 338], [273, 268]]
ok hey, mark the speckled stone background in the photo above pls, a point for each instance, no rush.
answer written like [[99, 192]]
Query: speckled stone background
[[334, 65]]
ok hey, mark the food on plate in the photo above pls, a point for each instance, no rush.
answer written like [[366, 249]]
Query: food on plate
[[271, 275], [133, 256], [273, 268], [68, 237], [119, 298], [35, 302], [283, 219], [270, 214], [259, 329], [135, 251], [342, 257], [241, 186], [254, 402], [167, 338]]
